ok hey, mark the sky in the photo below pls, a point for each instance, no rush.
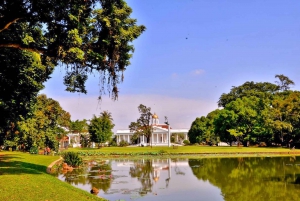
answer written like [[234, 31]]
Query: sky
[[191, 52]]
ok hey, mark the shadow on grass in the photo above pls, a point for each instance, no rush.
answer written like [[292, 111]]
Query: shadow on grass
[[10, 165]]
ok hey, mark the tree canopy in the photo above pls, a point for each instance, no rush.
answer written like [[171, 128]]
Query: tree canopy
[[143, 125], [253, 113], [87, 35], [43, 128], [100, 128]]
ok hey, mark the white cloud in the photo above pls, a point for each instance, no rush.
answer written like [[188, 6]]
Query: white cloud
[[198, 72], [181, 112]]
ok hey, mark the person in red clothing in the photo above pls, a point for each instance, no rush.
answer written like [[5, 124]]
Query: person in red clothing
[[48, 150]]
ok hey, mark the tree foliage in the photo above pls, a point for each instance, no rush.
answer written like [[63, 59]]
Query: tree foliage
[[42, 128], [79, 126], [100, 128], [259, 89], [253, 113], [143, 125], [87, 35], [202, 129], [284, 82], [21, 78]]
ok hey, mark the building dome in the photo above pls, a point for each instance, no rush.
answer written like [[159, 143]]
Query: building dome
[[154, 116]]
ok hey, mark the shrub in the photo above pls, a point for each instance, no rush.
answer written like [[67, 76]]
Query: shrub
[[123, 143], [34, 150], [72, 159], [262, 144], [186, 142], [162, 152], [113, 143]]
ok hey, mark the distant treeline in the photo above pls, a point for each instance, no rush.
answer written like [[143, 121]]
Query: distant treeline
[[258, 113]]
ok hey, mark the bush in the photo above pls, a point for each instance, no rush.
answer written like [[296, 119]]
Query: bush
[[34, 150], [72, 159], [113, 143], [262, 144], [123, 143], [186, 142]]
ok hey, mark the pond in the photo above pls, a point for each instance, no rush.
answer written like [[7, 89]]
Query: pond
[[215, 179]]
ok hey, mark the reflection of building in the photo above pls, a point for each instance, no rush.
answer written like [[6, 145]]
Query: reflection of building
[[160, 135]]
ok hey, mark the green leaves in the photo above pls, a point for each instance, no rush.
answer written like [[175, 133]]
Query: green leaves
[[27, 40], [74, 33], [100, 128], [143, 125]]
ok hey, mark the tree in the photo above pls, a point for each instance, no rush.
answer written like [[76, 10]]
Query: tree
[[258, 89], [79, 126], [87, 35], [21, 78], [285, 116], [100, 128], [284, 82], [143, 126], [46, 124], [198, 130], [84, 36]]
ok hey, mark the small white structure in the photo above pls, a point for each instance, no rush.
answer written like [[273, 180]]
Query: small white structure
[[72, 139], [161, 135]]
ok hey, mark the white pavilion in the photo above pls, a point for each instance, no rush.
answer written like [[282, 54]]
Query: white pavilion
[[161, 135]]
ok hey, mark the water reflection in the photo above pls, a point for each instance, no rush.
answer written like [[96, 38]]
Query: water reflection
[[191, 179], [251, 178]]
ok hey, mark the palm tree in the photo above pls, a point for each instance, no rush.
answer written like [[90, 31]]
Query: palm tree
[[106, 115]]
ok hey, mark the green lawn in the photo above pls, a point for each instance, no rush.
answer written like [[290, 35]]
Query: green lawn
[[192, 150], [23, 177]]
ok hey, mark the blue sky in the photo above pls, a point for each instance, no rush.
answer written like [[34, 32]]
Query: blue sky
[[191, 53]]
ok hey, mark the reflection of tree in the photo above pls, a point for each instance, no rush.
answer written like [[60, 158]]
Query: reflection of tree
[[99, 176], [177, 169], [251, 178], [143, 171]]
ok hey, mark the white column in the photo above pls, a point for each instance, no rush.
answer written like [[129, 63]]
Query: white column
[[169, 172], [156, 138], [151, 139], [128, 139], [176, 137], [185, 136]]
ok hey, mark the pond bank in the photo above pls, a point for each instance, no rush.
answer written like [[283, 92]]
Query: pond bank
[[24, 177]]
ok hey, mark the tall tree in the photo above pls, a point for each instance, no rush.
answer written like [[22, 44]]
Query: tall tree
[[21, 78], [106, 114], [143, 125], [84, 36], [100, 129], [284, 82]]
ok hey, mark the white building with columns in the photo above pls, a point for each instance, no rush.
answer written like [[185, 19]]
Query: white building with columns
[[161, 135]]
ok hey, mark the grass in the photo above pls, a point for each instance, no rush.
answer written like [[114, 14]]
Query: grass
[[23, 177], [192, 150]]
